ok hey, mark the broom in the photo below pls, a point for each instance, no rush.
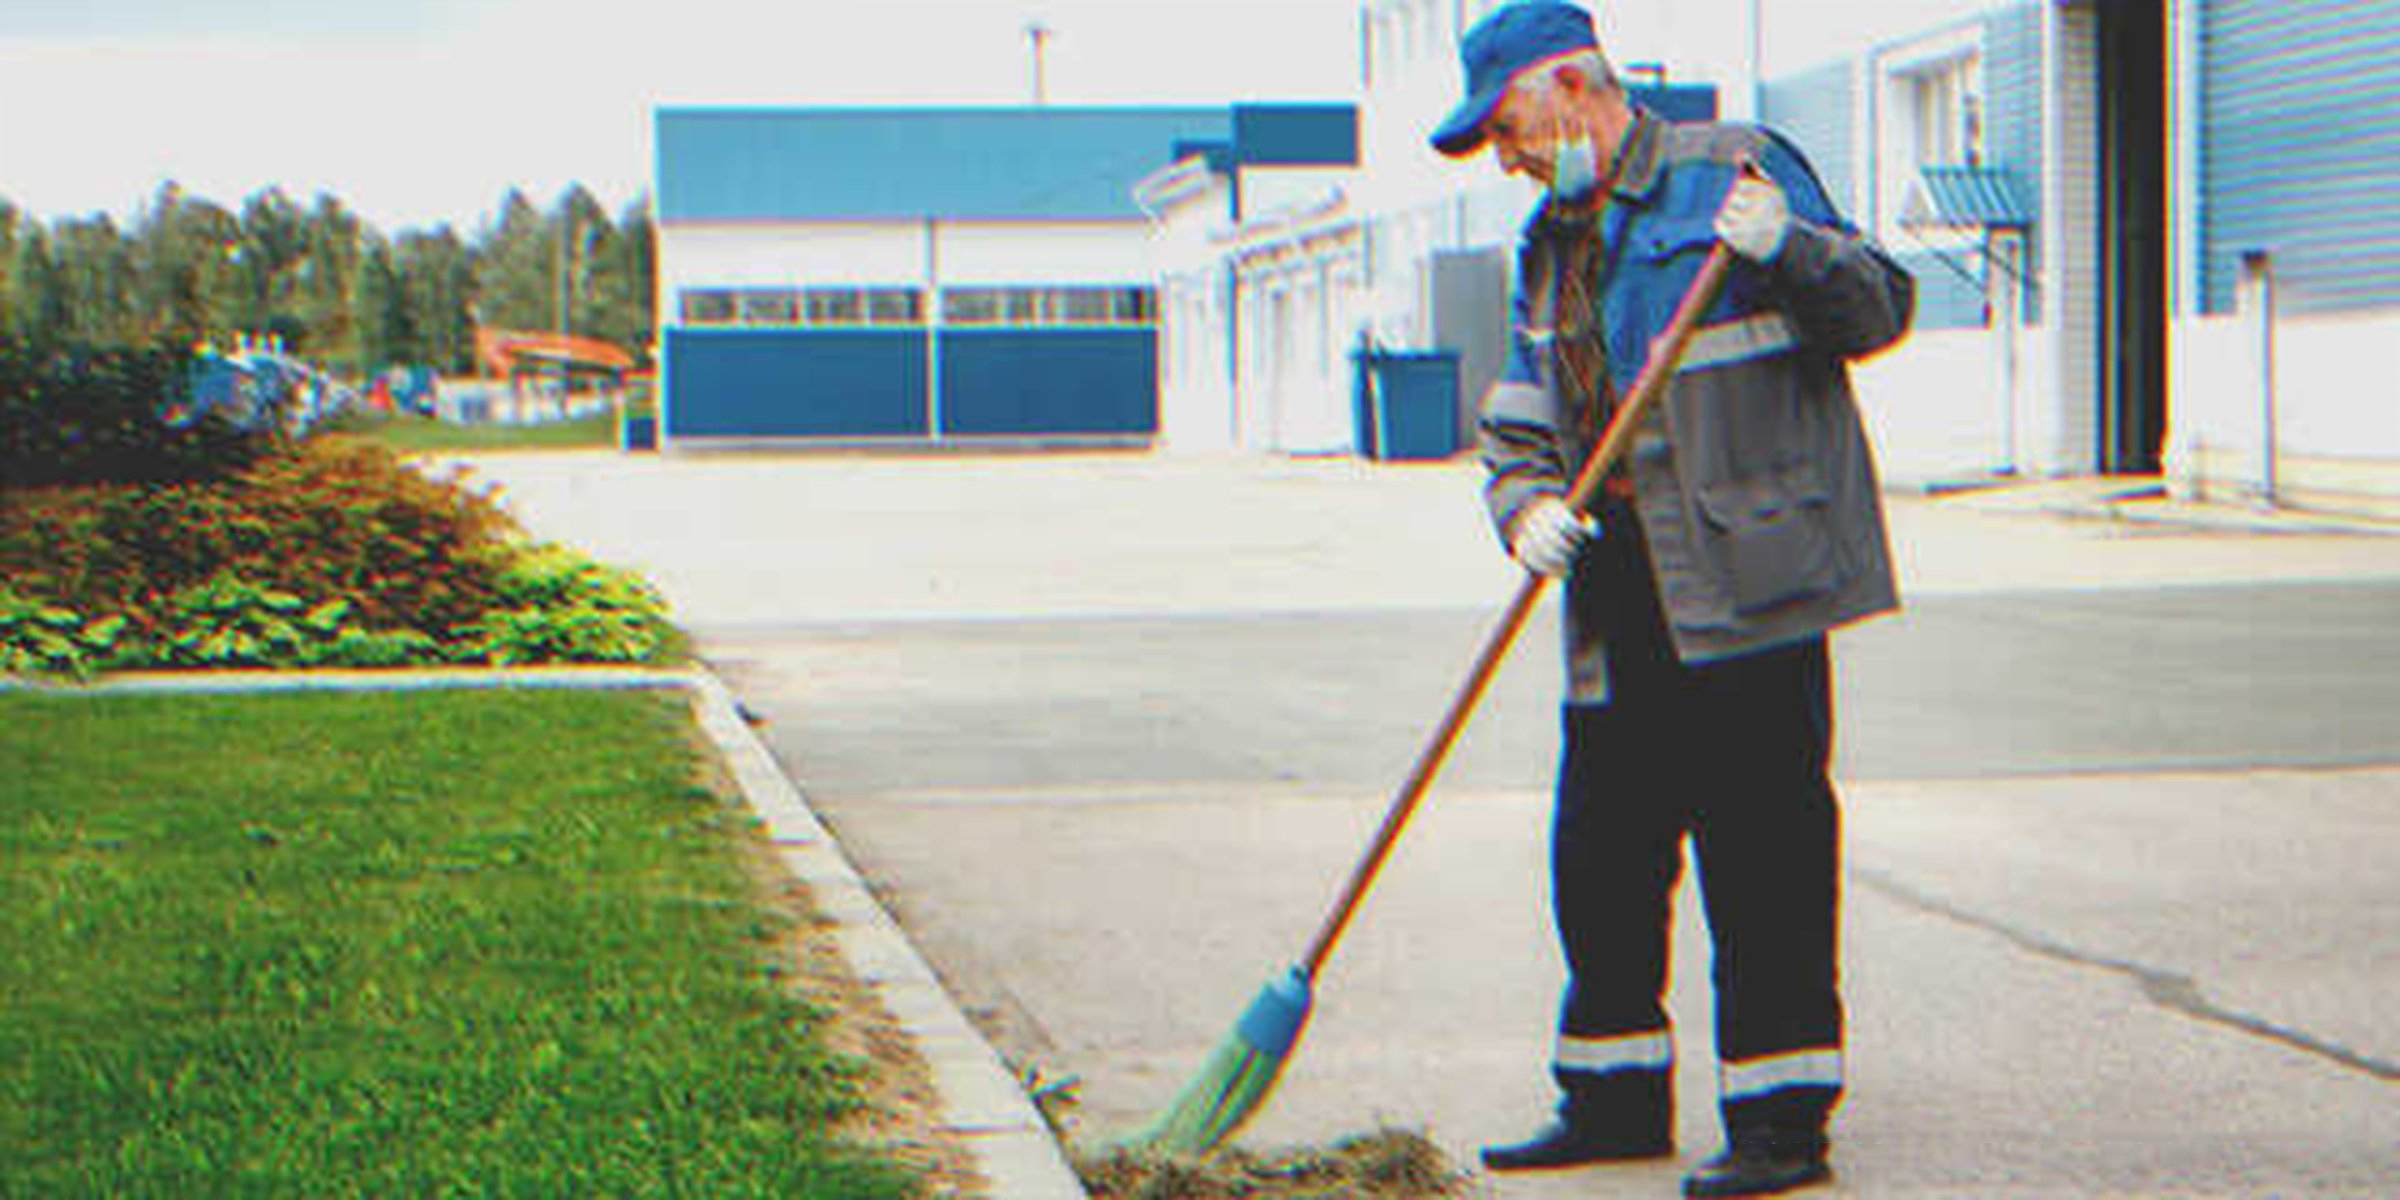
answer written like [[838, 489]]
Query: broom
[[1233, 1084]]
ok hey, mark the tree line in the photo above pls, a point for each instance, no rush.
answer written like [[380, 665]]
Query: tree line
[[336, 290]]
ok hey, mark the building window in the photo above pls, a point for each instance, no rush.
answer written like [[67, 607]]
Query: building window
[[971, 306], [1051, 306], [895, 306], [834, 307], [709, 308], [1946, 110], [769, 306]]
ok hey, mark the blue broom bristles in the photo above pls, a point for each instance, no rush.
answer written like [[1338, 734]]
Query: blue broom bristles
[[1233, 1084]]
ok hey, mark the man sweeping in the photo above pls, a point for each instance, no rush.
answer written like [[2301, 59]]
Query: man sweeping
[[1745, 525]]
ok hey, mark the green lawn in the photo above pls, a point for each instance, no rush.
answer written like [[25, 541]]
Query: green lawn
[[470, 944], [418, 435]]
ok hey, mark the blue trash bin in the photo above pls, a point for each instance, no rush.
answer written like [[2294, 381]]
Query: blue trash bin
[[1406, 407], [637, 433]]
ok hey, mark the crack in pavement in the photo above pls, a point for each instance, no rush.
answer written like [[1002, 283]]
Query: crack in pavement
[[2177, 993]]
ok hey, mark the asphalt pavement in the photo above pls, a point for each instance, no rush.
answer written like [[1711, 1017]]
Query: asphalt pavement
[[1105, 731]]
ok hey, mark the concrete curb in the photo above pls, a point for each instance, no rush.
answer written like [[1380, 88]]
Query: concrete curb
[[2144, 501], [1014, 1150], [982, 1105]]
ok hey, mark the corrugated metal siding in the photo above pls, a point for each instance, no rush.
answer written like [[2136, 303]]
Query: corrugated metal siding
[[2300, 149], [2012, 108], [1817, 110], [2075, 244], [1949, 287]]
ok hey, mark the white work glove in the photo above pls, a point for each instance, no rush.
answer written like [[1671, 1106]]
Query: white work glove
[[1754, 219], [1548, 535]]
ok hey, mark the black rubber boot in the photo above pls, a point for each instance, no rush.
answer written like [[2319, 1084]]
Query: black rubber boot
[[1760, 1167], [1564, 1145]]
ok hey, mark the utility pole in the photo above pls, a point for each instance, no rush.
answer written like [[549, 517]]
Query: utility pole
[[566, 300], [1039, 35], [1754, 69]]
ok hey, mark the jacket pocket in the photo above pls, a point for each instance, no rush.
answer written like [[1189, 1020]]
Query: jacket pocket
[[1666, 237], [1771, 536]]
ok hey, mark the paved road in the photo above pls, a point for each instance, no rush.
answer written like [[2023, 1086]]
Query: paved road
[[1961, 687], [2121, 807]]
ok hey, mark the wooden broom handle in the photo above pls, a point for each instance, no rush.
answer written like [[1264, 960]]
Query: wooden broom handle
[[1665, 353]]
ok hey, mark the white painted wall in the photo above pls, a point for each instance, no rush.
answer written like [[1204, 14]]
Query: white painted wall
[[1195, 385], [848, 254], [1195, 382], [1934, 406], [2066, 430], [1025, 252], [1303, 303], [2336, 408], [1293, 189]]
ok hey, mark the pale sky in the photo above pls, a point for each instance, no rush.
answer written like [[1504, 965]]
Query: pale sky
[[416, 112]]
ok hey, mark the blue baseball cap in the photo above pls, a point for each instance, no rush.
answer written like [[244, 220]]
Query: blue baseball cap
[[1511, 38]]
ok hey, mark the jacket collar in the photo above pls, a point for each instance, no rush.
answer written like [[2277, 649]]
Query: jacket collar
[[1634, 177], [1643, 164]]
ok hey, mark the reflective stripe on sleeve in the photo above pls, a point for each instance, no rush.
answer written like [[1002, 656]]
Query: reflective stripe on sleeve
[[1800, 1068], [1635, 1051], [1738, 341], [1521, 404]]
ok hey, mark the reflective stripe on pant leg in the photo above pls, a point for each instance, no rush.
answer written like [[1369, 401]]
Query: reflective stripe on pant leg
[[1601, 1056], [1750, 1079]]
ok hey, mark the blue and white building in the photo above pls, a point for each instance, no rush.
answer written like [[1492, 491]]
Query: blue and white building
[[930, 275], [2147, 234], [1260, 276]]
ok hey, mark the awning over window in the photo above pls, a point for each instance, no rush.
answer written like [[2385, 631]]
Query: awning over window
[[1967, 198]]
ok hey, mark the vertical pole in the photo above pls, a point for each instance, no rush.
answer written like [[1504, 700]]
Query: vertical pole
[[566, 267], [933, 329], [1754, 65], [2004, 262], [2257, 304], [1039, 34]]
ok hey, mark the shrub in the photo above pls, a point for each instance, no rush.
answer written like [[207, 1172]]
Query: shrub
[[558, 606], [44, 638], [332, 518], [231, 622], [74, 414], [333, 553]]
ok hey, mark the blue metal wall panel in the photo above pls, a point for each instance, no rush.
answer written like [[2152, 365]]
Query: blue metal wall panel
[[795, 383], [1049, 382], [1677, 101], [914, 163], [1296, 135], [1817, 109], [2300, 149], [1949, 287]]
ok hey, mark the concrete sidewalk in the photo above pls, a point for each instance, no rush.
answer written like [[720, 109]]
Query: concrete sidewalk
[[2074, 984]]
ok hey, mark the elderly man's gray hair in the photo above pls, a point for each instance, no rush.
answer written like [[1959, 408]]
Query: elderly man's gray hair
[[1589, 65]]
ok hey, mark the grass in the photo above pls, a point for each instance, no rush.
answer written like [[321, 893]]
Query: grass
[[489, 944], [422, 435]]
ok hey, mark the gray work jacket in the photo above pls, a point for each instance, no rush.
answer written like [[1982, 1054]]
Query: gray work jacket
[[1753, 481]]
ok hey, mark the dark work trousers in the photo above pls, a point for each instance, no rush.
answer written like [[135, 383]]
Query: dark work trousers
[[1733, 754]]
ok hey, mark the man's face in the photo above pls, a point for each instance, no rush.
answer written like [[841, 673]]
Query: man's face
[[1525, 132]]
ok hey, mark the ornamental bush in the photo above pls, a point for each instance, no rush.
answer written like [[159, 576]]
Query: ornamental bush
[[72, 414], [330, 519], [333, 553]]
